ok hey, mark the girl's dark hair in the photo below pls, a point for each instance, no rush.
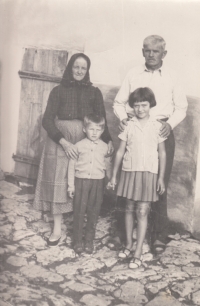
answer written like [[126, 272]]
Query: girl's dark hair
[[142, 94]]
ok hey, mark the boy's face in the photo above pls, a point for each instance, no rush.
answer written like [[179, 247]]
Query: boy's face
[[93, 131]]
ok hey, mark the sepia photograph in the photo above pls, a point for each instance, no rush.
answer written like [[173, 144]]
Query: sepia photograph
[[99, 153]]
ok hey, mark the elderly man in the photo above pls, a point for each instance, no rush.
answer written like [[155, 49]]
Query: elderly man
[[170, 111]]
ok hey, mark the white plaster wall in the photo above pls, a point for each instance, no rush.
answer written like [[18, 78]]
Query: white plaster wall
[[109, 31]]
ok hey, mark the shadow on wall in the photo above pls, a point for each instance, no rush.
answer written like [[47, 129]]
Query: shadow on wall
[[181, 191]]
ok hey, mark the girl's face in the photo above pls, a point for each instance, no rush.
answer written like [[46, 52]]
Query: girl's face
[[79, 69], [141, 109]]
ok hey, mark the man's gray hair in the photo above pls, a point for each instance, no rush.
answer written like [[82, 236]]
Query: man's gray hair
[[155, 39]]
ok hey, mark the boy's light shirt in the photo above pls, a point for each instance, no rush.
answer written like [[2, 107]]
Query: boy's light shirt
[[90, 163], [141, 145]]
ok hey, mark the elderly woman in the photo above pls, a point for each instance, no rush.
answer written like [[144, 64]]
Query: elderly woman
[[67, 105]]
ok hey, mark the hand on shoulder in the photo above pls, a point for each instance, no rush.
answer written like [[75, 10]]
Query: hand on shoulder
[[165, 129]]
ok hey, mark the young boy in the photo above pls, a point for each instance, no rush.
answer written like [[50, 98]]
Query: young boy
[[88, 172]]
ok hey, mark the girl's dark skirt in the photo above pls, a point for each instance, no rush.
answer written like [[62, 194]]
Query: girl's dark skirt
[[51, 188], [138, 186]]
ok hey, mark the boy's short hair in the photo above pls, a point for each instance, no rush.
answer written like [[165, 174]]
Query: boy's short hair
[[142, 94], [93, 118]]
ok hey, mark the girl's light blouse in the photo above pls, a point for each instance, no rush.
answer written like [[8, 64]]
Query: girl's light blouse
[[141, 145]]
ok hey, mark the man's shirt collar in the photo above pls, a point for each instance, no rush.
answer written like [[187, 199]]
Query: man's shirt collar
[[159, 70]]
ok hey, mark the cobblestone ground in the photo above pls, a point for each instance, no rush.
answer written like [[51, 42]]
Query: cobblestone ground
[[35, 275]]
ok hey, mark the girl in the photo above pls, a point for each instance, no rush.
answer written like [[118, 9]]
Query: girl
[[142, 151]]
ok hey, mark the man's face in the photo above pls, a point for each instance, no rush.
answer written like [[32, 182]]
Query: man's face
[[153, 54]]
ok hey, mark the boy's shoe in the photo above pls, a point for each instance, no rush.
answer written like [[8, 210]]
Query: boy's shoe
[[89, 247], [78, 248]]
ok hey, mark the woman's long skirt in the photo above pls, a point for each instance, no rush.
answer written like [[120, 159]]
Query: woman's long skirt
[[51, 188]]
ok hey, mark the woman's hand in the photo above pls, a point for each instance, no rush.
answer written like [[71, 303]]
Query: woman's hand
[[110, 149], [69, 148], [111, 184], [160, 186]]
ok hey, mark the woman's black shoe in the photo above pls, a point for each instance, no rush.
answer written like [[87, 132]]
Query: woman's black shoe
[[53, 243]]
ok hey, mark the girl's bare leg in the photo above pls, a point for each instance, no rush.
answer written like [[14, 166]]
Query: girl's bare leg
[[129, 223], [56, 228], [142, 212]]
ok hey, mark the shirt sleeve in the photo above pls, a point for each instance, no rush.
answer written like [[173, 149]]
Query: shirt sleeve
[[100, 110], [71, 174], [121, 99], [180, 105], [48, 121]]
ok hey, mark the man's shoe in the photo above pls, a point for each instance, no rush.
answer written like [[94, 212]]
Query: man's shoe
[[158, 248]]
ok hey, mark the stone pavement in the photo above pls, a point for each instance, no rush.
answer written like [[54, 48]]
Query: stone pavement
[[35, 275]]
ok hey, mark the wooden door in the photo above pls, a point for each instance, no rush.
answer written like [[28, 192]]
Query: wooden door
[[41, 71]]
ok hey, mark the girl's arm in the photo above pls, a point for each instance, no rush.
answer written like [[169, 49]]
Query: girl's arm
[[117, 163], [162, 166]]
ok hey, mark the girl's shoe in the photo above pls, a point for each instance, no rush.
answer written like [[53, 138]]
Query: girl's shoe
[[124, 253], [135, 263]]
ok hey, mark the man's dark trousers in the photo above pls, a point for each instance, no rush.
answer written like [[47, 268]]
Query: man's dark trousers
[[158, 217]]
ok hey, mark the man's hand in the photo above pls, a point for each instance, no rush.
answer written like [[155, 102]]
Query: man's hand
[[165, 129], [110, 149], [123, 124]]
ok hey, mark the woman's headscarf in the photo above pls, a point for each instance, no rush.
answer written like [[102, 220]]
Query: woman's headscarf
[[68, 76]]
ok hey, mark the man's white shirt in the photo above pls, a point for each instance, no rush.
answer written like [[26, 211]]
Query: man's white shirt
[[171, 101]]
